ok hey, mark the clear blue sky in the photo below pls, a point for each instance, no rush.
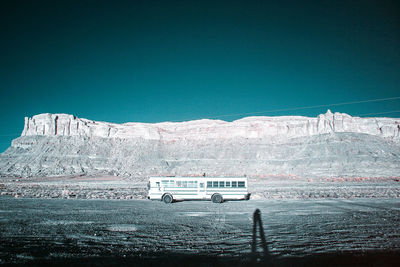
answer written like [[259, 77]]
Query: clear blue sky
[[152, 61]]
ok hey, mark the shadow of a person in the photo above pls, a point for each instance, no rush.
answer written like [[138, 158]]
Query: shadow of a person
[[266, 257]]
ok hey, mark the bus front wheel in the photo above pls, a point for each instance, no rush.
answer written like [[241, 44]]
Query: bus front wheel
[[167, 198], [216, 198]]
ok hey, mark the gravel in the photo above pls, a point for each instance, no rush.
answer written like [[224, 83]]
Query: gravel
[[260, 188]]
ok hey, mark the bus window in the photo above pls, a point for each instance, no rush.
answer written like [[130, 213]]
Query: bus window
[[167, 183], [192, 184], [215, 184], [234, 184], [228, 184], [240, 184], [201, 185], [179, 184], [185, 184], [221, 184], [209, 184]]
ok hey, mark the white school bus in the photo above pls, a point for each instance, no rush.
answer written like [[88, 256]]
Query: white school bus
[[216, 189]]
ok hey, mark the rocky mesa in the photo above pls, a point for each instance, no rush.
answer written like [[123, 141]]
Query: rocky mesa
[[250, 127], [330, 145]]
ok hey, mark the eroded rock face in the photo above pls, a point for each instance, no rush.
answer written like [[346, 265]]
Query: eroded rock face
[[250, 127], [331, 145]]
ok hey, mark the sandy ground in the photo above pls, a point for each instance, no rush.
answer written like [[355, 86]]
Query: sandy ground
[[282, 187], [80, 187], [103, 221], [113, 232]]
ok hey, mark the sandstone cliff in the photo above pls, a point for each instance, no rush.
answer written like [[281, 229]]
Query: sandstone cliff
[[250, 127], [329, 145]]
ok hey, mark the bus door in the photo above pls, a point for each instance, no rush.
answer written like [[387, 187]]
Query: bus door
[[202, 190], [158, 186]]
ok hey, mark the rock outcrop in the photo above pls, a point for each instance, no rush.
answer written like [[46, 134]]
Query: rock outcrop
[[330, 145], [250, 127]]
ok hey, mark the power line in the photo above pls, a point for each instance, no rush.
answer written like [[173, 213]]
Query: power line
[[305, 107], [375, 113], [316, 106]]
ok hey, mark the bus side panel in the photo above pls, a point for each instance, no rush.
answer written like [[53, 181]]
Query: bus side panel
[[155, 195], [228, 193], [181, 193], [158, 189]]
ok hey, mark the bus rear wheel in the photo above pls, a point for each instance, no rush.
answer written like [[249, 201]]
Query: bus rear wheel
[[216, 198], [167, 198]]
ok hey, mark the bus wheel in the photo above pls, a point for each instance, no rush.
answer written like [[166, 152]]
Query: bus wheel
[[216, 198], [167, 198]]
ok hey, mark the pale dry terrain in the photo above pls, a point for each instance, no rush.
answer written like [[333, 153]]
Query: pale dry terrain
[[272, 187], [330, 145], [330, 232]]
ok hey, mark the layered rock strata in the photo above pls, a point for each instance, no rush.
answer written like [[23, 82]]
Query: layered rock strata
[[250, 127], [331, 145]]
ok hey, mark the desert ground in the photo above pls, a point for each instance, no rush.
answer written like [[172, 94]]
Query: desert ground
[[266, 187], [103, 221], [111, 232]]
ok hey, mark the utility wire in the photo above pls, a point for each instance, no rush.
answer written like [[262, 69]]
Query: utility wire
[[305, 107], [386, 112], [294, 108]]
